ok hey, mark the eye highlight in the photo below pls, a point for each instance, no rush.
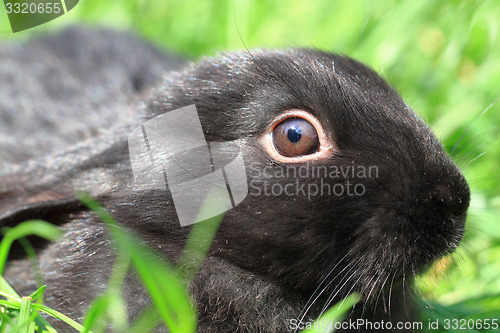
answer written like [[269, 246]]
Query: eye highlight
[[294, 137]]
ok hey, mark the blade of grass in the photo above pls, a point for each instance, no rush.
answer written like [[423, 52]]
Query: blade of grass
[[96, 314], [335, 314], [117, 311], [31, 328], [24, 320], [197, 245], [201, 237], [10, 293], [167, 292], [11, 304], [147, 321], [59, 315], [31, 253], [47, 310], [116, 305], [38, 293], [33, 227], [6, 321], [110, 306], [161, 280], [44, 324]]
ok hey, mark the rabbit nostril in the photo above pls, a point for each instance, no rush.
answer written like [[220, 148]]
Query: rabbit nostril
[[453, 205], [446, 208]]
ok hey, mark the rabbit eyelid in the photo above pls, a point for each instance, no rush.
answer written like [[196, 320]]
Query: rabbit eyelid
[[296, 136]]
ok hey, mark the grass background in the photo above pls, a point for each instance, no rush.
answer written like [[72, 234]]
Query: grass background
[[442, 56]]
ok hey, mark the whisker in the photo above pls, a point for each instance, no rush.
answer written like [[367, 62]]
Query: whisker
[[390, 296], [381, 293], [309, 304], [337, 289], [471, 123], [475, 158], [371, 290], [332, 297], [403, 291]]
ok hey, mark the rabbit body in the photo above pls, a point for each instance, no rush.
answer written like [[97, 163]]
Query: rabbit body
[[70, 101]]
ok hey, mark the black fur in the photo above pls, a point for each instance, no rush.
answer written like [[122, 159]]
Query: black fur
[[270, 253]]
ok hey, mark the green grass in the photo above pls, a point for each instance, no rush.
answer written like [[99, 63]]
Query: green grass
[[443, 57], [166, 285]]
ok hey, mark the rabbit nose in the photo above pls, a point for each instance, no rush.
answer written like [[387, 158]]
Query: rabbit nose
[[453, 199]]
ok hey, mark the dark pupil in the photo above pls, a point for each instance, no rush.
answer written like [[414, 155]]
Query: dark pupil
[[294, 134]]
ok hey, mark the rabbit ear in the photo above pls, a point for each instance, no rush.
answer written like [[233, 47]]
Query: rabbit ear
[[48, 190], [20, 201]]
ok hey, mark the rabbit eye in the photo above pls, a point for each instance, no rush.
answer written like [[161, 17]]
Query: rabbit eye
[[295, 137]]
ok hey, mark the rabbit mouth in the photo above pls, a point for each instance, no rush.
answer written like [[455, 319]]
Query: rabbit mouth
[[387, 257]]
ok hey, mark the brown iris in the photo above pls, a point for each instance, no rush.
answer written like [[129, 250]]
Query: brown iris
[[295, 137]]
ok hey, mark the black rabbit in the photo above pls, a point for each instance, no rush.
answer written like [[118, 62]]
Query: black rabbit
[[348, 189]]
